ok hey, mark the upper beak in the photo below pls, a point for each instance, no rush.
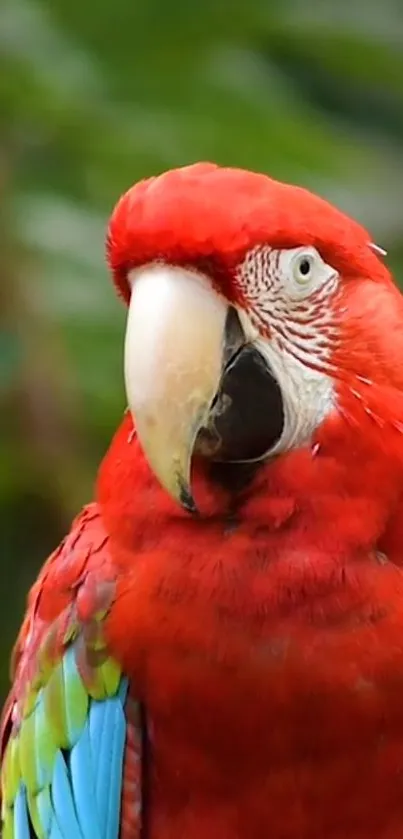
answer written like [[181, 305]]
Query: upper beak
[[174, 355], [197, 376]]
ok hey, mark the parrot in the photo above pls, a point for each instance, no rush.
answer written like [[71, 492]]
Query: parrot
[[216, 648]]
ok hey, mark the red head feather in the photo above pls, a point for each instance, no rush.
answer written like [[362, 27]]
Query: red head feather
[[209, 217]]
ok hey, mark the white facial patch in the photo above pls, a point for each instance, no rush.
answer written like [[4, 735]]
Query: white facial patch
[[290, 319]]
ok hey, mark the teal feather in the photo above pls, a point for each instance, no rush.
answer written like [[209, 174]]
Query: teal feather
[[116, 728], [44, 810], [110, 719], [21, 820], [55, 831], [63, 803], [98, 742], [82, 771]]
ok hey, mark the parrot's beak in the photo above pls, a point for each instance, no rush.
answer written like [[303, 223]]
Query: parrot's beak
[[193, 377]]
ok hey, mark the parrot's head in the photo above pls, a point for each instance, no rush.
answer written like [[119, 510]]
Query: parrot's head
[[261, 321]]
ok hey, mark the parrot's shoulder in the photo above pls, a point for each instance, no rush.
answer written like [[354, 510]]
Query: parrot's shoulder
[[69, 699], [68, 601]]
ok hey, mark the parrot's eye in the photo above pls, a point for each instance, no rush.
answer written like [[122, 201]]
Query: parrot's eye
[[303, 271], [303, 268]]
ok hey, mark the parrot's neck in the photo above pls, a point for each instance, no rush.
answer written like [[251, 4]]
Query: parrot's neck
[[336, 496], [261, 636]]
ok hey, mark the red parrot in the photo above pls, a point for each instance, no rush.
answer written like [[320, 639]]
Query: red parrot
[[216, 648]]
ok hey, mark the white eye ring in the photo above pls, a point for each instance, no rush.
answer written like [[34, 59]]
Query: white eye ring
[[303, 268]]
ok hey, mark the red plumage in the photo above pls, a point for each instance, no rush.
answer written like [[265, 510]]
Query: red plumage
[[265, 639], [209, 216], [268, 648]]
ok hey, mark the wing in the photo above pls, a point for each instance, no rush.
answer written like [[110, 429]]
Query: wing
[[71, 731]]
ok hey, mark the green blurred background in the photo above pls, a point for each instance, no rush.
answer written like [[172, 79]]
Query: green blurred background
[[95, 95]]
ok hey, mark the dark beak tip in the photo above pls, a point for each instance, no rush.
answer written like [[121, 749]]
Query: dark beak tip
[[187, 501]]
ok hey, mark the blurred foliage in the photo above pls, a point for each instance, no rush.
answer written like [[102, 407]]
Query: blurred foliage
[[96, 96]]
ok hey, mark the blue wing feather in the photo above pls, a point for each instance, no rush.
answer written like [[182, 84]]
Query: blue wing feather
[[86, 783], [63, 803], [21, 820], [83, 772], [55, 832], [99, 747], [68, 730], [117, 725]]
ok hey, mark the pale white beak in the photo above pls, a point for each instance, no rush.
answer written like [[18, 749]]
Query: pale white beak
[[173, 363]]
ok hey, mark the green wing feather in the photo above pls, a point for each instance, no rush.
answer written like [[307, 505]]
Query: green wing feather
[[65, 679]]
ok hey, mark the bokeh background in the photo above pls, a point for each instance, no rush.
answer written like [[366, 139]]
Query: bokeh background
[[95, 95]]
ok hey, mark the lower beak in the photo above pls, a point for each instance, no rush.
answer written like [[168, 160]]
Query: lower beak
[[193, 379]]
